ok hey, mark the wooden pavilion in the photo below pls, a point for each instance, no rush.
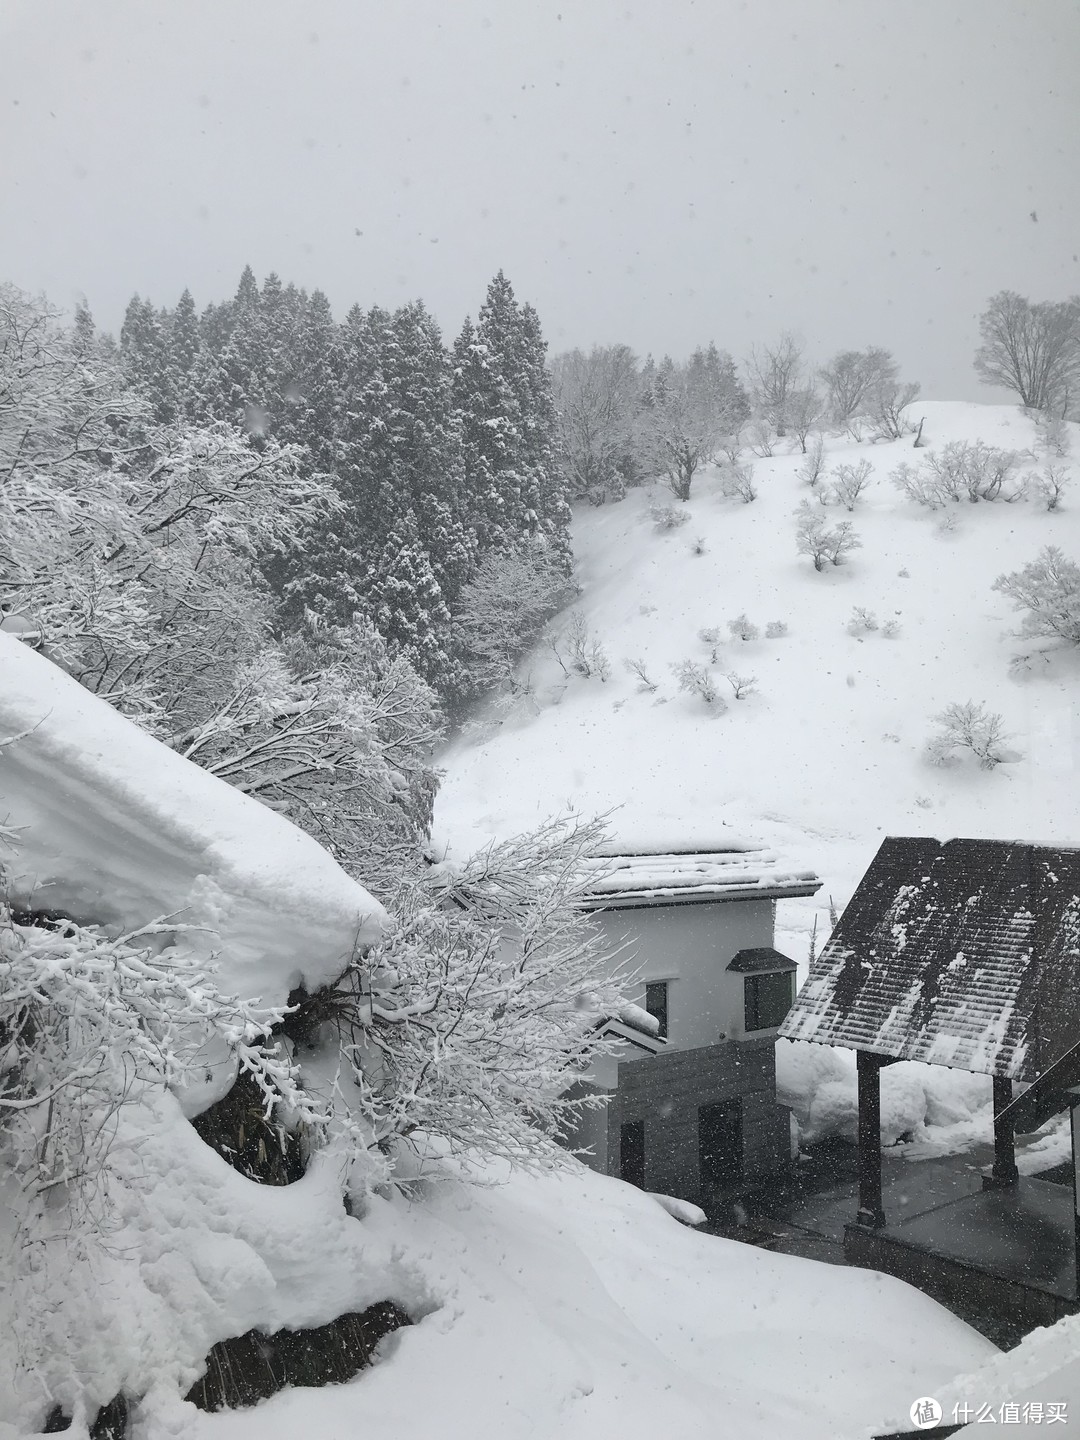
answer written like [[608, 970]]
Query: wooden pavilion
[[965, 954]]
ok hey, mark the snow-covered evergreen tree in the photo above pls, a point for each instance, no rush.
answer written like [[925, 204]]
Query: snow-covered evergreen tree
[[503, 391]]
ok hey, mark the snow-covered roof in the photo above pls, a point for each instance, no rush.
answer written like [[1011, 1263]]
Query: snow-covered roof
[[733, 873], [115, 828], [965, 953]]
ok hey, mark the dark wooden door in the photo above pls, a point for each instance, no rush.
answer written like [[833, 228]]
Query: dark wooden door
[[720, 1145], [632, 1153]]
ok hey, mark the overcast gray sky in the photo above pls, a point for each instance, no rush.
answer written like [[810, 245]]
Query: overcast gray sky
[[861, 171]]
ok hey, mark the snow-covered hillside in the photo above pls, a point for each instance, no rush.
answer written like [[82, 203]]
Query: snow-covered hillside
[[826, 756]]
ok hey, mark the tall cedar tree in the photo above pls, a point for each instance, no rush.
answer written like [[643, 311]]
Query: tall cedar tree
[[503, 390], [438, 459]]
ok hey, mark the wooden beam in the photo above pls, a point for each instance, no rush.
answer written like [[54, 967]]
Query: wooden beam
[[871, 1210], [1004, 1172], [1046, 1095]]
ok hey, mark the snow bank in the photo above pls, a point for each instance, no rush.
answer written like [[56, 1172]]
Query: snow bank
[[568, 1305], [819, 1084], [116, 828]]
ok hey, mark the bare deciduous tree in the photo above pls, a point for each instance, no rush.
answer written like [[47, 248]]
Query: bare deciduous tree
[[813, 467], [888, 406], [849, 482], [1032, 350], [775, 372], [806, 406], [596, 396], [1047, 589], [851, 379], [967, 726]]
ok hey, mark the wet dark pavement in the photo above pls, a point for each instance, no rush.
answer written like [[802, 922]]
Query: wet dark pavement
[[937, 1204]]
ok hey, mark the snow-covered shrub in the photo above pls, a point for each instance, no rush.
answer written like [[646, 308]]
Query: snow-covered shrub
[[967, 726], [578, 650], [695, 679], [961, 470], [984, 470], [637, 667], [88, 1020], [841, 540], [776, 629], [711, 636], [667, 517], [1049, 484], [760, 437], [1052, 434], [737, 482], [742, 628], [813, 537], [861, 621], [891, 629], [811, 529], [500, 614], [741, 685], [850, 481], [1047, 589], [699, 545], [730, 446], [918, 485], [812, 467]]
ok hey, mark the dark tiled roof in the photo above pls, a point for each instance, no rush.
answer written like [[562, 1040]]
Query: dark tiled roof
[[965, 953], [759, 962]]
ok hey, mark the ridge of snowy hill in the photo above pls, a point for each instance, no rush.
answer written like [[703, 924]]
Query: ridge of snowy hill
[[826, 756]]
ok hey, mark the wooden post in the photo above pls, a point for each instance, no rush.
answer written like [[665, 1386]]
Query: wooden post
[[1004, 1172], [871, 1210], [1074, 1118]]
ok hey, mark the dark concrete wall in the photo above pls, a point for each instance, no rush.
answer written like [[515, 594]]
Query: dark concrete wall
[[666, 1092]]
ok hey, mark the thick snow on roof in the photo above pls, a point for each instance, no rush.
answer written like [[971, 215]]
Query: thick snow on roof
[[722, 874], [115, 828]]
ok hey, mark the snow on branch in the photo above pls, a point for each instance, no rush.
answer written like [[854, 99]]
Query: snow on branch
[[487, 998]]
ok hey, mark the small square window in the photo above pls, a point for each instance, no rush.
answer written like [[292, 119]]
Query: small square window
[[768, 999], [656, 1003]]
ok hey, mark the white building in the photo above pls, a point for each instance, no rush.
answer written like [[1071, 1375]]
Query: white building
[[693, 1109]]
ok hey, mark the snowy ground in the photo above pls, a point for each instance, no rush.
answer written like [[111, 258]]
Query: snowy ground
[[827, 756], [555, 1306]]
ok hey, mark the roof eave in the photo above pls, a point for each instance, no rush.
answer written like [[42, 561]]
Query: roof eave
[[642, 899]]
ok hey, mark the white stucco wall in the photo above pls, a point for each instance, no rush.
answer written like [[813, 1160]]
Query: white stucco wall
[[690, 946]]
